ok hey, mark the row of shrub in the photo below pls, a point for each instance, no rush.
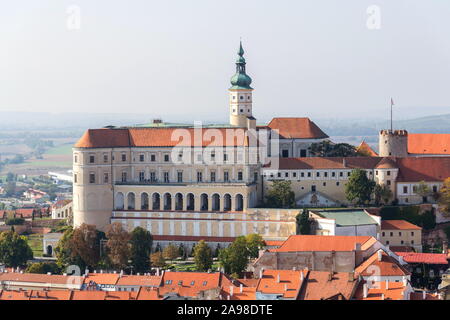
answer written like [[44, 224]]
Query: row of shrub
[[426, 220]]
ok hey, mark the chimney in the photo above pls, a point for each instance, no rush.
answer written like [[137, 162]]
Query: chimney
[[382, 296], [261, 272], [344, 162], [424, 295], [302, 277], [285, 287], [278, 278], [387, 284], [49, 273], [241, 288], [231, 291], [405, 282], [365, 291], [357, 246], [351, 276], [380, 255]]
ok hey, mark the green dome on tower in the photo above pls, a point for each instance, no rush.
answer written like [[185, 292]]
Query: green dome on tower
[[240, 80]]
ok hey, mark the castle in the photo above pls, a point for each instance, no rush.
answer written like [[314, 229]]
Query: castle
[[188, 182]]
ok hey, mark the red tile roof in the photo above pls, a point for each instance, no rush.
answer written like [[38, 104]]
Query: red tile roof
[[192, 238], [296, 128], [414, 169], [388, 266], [299, 243], [328, 163], [162, 137], [102, 278], [398, 225], [188, 284], [426, 258], [284, 282], [323, 285], [386, 163], [379, 290], [135, 280], [429, 143], [366, 149]]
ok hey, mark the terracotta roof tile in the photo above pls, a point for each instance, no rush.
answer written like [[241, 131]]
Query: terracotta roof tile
[[284, 282], [426, 258], [323, 285], [162, 137], [429, 143], [192, 238], [379, 290], [414, 169], [135, 280], [299, 243], [387, 163], [296, 128], [388, 266], [366, 149], [328, 163], [188, 284], [398, 225], [102, 278]]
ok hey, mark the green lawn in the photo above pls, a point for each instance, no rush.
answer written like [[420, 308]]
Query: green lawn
[[64, 149], [35, 242], [190, 266]]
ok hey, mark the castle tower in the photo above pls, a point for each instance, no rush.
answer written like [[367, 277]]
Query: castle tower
[[393, 143], [241, 95]]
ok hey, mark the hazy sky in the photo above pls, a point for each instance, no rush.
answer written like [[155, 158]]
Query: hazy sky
[[307, 58]]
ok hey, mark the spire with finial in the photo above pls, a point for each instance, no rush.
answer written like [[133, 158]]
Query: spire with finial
[[241, 80]]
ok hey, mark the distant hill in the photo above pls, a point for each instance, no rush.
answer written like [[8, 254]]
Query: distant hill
[[429, 124]]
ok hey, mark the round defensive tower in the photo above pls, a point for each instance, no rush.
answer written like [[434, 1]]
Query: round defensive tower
[[393, 143]]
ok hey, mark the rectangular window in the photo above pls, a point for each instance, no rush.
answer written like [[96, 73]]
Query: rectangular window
[[302, 174], [91, 159], [226, 176], [388, 182], [412, 233], [388, 173], [405, 189], [240, 176], [75, 178], [75, 158], [294, 174], [317, 174], [180, 176], [152, 176], [141, 176], [286, 174], [105, 177], [105, 158], [166, 158], [341, 174], [333, 174], [124, 157], [166, 176], [255, 176], [213, 176], [199, 176], [309, 174], [225, 157], [285, 153], [152, 157], [141, 158], [124, 176], [302, 153], [325, 174], [91, 177]]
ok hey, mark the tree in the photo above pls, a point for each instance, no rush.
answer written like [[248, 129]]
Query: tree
[[203, 256], [14, 249], [141, 247], [118, 245], [280, 195], [171, 252], [10, 188], [43, 268], [327, 148], [85, 245], [423, 190], [157, 259], [444, 198], [359, 188], [235, 258], [382, 193], [254, 243], [303, 223]]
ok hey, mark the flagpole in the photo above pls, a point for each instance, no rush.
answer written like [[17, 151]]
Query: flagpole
[[391, 114]]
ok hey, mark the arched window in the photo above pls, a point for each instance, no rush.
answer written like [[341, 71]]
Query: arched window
[[156, 201], [204, 202], [227, 202], [144, 201], [178, 201], [239, 202], [119, 203], [190, 201], [216, 202], [131, 201], [167, 201]]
